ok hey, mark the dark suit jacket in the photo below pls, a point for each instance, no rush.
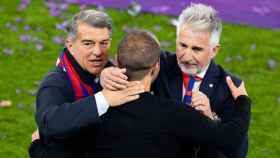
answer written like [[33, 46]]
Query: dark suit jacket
[[153, 127], [65, 125], [169, 85]]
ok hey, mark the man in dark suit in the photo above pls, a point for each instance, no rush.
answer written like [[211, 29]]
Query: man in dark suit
[[191, 76], [155, 127], [68, 103]]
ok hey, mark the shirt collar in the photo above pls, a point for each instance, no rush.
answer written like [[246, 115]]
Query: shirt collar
[[202, 73]]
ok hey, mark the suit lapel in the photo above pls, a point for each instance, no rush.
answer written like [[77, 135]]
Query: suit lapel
[[176, 83], [210, 80]]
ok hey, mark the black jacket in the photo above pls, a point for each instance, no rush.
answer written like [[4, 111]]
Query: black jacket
[[66, 126], [154, 127], [169, 84]]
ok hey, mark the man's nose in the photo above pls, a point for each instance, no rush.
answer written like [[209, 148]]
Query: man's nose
[[96, 50], [186, 55]]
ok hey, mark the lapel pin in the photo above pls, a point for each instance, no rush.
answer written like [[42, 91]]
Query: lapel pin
[[211, 85]]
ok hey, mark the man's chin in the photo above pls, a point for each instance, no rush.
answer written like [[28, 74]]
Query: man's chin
[[189, 71], [95, 71]]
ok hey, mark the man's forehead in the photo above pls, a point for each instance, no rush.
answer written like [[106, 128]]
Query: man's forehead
[[93, 34], [195, 33], [189, 35]]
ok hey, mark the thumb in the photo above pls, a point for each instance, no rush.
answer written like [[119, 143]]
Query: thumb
[[230, 83], [123, 70], [196, 91]]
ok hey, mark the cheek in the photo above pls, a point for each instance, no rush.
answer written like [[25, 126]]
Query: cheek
[[105, 52], [203, 60], [85, 56], [180, 53]]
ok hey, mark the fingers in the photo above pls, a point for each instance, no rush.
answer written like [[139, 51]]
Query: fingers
[[200, 108], [230, 84], [199, 102], [109, 87], [199, 98], [35, 135], [236, 91], [232, 87], [205, 110], [113, 78], [119, 80], [195, 103], [133, 83], [123, 71], [130, 98], [117, 83], [242, 89], [119, 73]]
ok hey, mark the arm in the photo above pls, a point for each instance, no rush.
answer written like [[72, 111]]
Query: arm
[[57, 115]]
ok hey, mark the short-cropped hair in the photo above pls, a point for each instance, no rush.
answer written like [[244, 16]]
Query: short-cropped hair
[[138, 51]]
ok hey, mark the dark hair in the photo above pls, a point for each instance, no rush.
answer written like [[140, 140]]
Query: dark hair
[[138, 51]]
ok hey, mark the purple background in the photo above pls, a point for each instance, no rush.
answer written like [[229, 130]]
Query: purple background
[[260, 13]]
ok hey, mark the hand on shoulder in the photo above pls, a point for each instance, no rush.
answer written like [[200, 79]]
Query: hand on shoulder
[[236, 91]]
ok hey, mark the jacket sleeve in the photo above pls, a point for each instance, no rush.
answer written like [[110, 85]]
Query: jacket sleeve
[[160, 86], [57, 115], [192, 127]]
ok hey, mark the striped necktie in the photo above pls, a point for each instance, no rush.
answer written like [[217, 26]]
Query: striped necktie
[[188, 82]]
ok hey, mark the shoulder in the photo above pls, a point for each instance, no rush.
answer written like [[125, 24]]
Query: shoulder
[[167, 103], [55, 78], [168, 61], [224, 73], [55, 81], [220, 72], [167, 57]]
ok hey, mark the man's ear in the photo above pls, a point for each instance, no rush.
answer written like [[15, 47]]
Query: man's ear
[[69, 43], [155, 68], [158, 64], [215, 51]]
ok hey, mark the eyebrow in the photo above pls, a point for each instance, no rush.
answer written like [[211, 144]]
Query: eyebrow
[[87, 41], [193, 47], [182, 43], [106, 40], [197, 48]]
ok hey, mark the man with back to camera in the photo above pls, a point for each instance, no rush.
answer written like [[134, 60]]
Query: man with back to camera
[[155, 127], [191, 76]]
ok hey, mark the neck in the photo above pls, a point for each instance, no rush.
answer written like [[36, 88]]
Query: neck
[[146, 82]]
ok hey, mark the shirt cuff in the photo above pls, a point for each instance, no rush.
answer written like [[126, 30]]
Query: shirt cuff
[[101, 103]]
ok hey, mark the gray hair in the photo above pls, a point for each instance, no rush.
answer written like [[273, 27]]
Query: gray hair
[[202, 17], [91, 17]]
